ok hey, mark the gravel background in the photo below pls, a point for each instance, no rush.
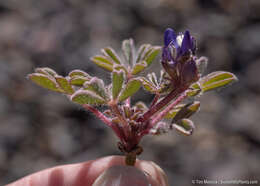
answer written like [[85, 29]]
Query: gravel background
[[40, 129]]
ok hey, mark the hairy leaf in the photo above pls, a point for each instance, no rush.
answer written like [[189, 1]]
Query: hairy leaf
[[216, 80], [194, 90], [130, 89], [47, 71], [149, 86], [109, 52], [151, 54], [141, 52], [128, 50], [87, 97], [186, 111], [74, 73], [96, 85], [64, 84], [44, 81], [139, 67], [185, 126], [117, 82], [103, 62], [78, 80]]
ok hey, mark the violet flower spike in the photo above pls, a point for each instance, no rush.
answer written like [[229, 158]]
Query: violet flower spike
[[178, 58]]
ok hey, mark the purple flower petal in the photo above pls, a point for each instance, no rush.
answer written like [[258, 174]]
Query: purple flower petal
[[187, 43], [190, 72], [166, 54], [169, 36]]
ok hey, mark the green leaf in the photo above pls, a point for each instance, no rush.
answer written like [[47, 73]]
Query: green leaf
[[78, 80], [131, 88], [151, 54], [149, 86], [74, 73], [117, 82], [194, 90], [64, 84], [120, 67], [96, 85], [109, 52], [185, 126], [141, 52], [216, 80], [139, 67], [172, 113], [47, 71], [44, 81], [103, 62], [186, 111], [128, 50], [153, 78], [87, 97]]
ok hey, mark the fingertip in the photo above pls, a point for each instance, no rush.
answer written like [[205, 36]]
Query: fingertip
[[154, 173], [121, 175]]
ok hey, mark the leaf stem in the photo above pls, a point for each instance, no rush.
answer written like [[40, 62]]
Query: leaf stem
[[155, 99], [161, 115], [173, 94], [117, 112], [98, 114]]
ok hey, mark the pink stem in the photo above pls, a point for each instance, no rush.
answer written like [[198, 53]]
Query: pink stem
[[165, 111], [173, 94], [155, 99], [98, 114]]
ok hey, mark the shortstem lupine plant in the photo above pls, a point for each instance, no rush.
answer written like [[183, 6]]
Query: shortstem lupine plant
[[175, 89]]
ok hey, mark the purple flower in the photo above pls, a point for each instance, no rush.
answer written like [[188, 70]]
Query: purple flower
[[178, 57]]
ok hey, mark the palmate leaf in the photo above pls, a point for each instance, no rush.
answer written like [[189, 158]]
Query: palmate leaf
[[78, 80], [87, 97], [216, 80], [44, 81], [103, 61], [128, 49], [77, 72], [148, 85], [151, 54], [96, 85], [139, 67], [109, 52], [47, 71], [64, 84], [130, 89], [141, 52], [146, 56], [117, 82]]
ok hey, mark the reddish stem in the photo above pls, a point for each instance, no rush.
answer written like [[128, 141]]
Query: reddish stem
[[155, 99], [173, 94], [165, 111], [98, 114]]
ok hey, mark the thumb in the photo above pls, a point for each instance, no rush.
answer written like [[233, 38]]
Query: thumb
[[120, 175]]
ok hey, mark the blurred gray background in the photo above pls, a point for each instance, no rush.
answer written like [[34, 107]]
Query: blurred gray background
[[40, 129]]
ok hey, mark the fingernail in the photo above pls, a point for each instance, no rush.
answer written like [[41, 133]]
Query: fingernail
[[122, 176]]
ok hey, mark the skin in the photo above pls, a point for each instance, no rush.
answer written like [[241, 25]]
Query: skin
[[84, 174]]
